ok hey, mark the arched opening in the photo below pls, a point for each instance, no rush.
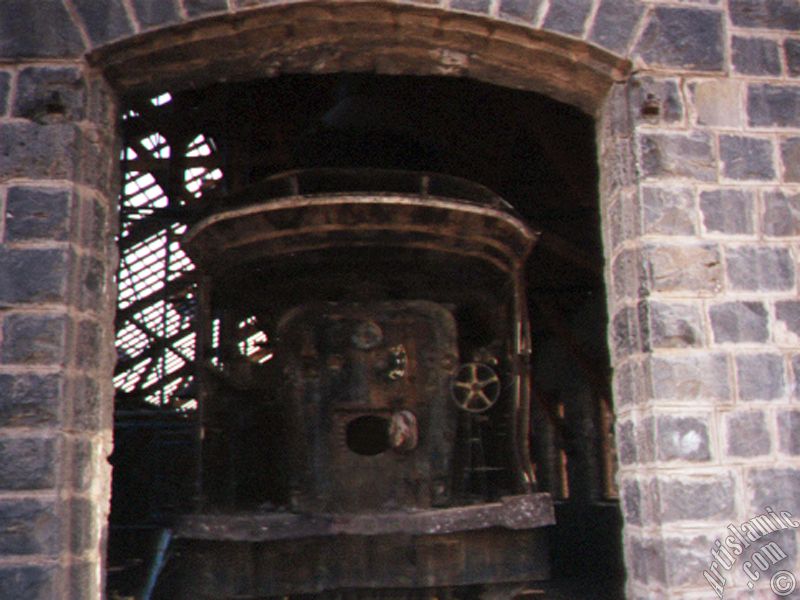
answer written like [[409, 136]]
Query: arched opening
[[189, 139]]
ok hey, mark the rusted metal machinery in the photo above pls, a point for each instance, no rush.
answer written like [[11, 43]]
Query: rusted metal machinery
[[363, 393]]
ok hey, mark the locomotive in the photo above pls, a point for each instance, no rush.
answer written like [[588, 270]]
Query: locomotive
[[363, 394]]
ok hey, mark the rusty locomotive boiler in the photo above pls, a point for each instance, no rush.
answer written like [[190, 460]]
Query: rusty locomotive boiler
[[363, 393]]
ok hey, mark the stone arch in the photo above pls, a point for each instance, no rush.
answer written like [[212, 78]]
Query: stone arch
[[380, 37], [386, 38]]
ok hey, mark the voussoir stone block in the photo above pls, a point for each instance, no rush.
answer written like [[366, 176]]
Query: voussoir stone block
[[40, 29], [568, 16], [615, 23], [195, 8]]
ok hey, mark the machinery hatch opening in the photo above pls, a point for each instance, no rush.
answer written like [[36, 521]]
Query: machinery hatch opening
[[359, 317]]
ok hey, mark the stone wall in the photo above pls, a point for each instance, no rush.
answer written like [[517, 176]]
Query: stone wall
[[700, 196]]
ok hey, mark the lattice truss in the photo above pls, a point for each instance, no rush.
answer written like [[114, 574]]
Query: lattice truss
[[164, 172]]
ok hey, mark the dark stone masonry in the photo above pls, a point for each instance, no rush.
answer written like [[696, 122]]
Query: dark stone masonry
[[699, 194]]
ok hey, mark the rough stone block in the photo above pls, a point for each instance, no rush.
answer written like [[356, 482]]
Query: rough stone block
[[626, 443], [568, 16], [27, 464], [83, 581], [739, 322], [627, 383], [777, 488], [677, 155], [5, 87], [682, 438], [37, 214], [690, 378], [82, 525], [765, 14], [618, 167], [787, 322], [648, 561], [196, 8], [781, 214], [685, 557], [796, 371], [689, 38], [83, 470], [29, 400], [717, 102], [476, 6], [34, 339], [31, 150], [623, 219], [523, 10], [760, 376], [631, 504], [28, 582], [760, 269], [790, 157], [152, 13], [747, 434], [90, 411], [727, 211], [50, 94], [32, 275], [28, 526], [89, 345], [789, 431], [773, 105], [625, 333], [41, 29], [646, 440], [677, 268], [627, 274], [92, 291], [671, 325], [697, 498], [668, 210], [791, 47], [105, 21], [97, 233], [746, 158], [656, 100], [615, 23], [756, 56]]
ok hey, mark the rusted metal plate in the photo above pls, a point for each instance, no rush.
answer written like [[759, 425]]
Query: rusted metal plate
[[401, 561], [353, 372], [270, 228], [525, 511]]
